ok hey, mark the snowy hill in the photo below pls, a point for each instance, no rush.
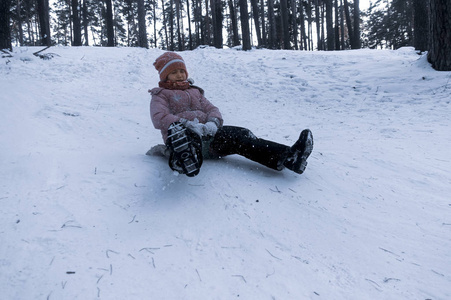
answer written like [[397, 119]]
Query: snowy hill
[[84, 214]]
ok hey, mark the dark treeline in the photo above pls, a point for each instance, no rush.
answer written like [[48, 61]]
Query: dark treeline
[[179, 25]]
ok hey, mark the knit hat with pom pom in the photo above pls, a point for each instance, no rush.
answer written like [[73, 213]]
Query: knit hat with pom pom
[[168, 62]]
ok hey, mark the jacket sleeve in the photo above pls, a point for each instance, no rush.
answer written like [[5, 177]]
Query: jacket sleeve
[[213, 113], [160, 113]]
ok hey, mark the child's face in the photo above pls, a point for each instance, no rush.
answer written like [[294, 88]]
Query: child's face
[[177, 75]]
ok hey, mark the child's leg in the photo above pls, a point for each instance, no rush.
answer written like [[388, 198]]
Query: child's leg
[[237, 140]]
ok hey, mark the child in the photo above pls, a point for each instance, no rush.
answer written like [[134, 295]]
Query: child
[[192, 127]]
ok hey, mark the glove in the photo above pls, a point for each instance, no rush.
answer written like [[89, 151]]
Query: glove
[[194, 126], [210, 128]]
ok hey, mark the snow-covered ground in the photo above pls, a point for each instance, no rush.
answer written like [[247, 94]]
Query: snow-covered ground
[[85, 214]]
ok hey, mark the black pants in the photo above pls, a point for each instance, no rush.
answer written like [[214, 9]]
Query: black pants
[[237, 140]]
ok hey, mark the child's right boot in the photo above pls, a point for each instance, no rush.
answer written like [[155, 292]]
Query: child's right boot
[[299, 152], [186, 150]]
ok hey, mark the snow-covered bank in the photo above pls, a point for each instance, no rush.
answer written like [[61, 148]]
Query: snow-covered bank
[[84, 214]]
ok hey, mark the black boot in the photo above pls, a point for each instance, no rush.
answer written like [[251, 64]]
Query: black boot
[[299, 152], [186, 150]]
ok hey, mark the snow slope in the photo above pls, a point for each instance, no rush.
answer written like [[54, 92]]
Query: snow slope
[[84, 214]]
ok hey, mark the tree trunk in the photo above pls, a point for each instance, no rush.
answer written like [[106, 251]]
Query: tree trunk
[[19, 21], [421, 25], [154, 3], [216, 12], [439, 54], [109, 23], [255, 12], [303, 35], [245, 32], [272, 24], [262, 14], [165, 26], [310, 29], [207, 36], [348, 23], [294, 24], [342, 26], [142, 31], [190, 38], [85, 22], [44, 22], [337, 26], [356, 41], [330, 26], [235, 37], [285, 24], [179, 33], [171, 25], [318, 26], [76, 23], [5, 32]]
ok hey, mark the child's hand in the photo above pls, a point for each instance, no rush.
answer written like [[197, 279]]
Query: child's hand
[[194, 126], [210, 128]]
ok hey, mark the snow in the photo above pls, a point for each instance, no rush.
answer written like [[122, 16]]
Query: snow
[[85, 214]]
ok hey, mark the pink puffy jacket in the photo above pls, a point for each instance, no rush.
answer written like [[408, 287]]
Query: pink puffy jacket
[[168, 106]]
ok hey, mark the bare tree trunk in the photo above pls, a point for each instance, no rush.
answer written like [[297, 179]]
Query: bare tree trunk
[[85, 22], [439, 54], [348, 22], [207, 25], [44, 22], [216, 13], [171, 25], [330, 26], [356, 41], [272, 25], [155, 24], [165, 25], [190, 38], [179, 33], [337, 26], [262, 14], [421, 25], [19, 20], [294, 24], [303, 35], [342, 26], [198, 21], [310, 29], [142, 26], [109, 23], [235, 37], [255, 13], [5, 31], [318, 26], [245, 32], [76, 23], [285, 24]]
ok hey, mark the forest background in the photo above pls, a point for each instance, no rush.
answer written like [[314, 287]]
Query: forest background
[[179, 25]]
